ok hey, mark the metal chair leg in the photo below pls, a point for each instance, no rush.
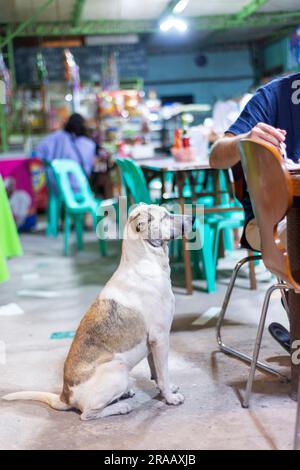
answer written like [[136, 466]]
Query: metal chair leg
[[221, 344], [297, 428], [260, 331], [252, 275], [284, 298]]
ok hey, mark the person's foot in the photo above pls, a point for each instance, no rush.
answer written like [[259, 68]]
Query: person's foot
[[281, 335]]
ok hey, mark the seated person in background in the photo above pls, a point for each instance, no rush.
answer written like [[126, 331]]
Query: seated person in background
[[70, 143], [273, 116]]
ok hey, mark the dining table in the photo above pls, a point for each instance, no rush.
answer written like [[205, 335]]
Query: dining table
[[159, 166]]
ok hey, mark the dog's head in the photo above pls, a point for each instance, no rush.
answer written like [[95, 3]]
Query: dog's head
[[155, 225]]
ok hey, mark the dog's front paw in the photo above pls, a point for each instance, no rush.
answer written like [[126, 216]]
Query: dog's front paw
[[174, 399], [174, 388]]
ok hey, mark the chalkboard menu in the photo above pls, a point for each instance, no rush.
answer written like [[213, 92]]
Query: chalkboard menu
[[131, 60]]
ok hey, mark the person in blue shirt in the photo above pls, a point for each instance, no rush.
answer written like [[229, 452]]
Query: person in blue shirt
[[273, 116], [71, 143]]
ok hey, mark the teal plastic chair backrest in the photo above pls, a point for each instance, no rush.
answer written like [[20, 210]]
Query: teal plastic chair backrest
[[121, 165], [134, 181], [51, 179], [69, 174]]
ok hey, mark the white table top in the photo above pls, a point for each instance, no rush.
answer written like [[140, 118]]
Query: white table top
[[169, 164]]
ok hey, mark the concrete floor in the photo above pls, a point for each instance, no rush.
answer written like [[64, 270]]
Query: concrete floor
[[54, 292]]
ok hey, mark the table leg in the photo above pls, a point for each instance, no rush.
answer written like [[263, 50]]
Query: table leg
[[180, 177], [218, 201], [293, 230]]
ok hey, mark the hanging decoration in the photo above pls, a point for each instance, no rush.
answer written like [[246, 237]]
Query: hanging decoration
[[42, 72], [42, 76], [109, 73], [72, 76], [7, 88]]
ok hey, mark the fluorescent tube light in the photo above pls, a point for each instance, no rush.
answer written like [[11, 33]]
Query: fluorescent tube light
[[171, 22], [180, 6]]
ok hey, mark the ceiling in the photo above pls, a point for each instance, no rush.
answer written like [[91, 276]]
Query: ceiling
[[19, 10], [267, 17]]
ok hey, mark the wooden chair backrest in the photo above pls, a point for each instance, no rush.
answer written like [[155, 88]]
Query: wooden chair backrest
[[271, 192]]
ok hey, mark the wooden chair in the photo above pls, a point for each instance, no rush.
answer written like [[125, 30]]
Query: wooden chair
[[271, 192], [270, 189]]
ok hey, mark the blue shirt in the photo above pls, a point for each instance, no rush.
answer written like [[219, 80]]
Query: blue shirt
[[61, 144], [277, 104]]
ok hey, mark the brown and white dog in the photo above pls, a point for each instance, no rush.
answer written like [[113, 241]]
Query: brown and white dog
[[129, 320]]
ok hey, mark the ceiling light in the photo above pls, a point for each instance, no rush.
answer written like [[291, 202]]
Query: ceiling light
[[180, 6], [173, 23], [112, 39]]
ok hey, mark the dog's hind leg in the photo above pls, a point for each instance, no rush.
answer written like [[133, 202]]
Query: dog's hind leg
[[118, 408], [129, 394], [110, 383]]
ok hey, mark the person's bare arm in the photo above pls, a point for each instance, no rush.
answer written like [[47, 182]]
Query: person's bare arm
[[225, 152]]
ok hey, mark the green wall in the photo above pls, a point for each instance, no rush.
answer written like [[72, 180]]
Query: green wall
[[279, 54], [276, 55]]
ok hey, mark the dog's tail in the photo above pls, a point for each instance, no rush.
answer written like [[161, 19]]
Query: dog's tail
[[52, 399]]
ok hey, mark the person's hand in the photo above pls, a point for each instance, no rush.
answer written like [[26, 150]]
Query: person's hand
[[268, 134]]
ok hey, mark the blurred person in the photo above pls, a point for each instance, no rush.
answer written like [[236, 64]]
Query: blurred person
[[71, 143]]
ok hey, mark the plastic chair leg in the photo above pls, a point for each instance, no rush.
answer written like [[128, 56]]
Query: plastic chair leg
[[178, 250], [216, 244], [53, 215], [79, 225], [228, 239], [67, 233], [98, 227], [206, 254], [257, 261], [172, 249], [103, 247], [196, 269]]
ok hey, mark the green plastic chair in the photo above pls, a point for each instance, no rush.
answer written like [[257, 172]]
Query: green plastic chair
[[9, 238], [135, 186], [134, 181], [212, 226], [231, 220], [78, 203]]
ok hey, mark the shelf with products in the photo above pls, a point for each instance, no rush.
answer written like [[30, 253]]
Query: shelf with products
[[113, 117], [127, 119]]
